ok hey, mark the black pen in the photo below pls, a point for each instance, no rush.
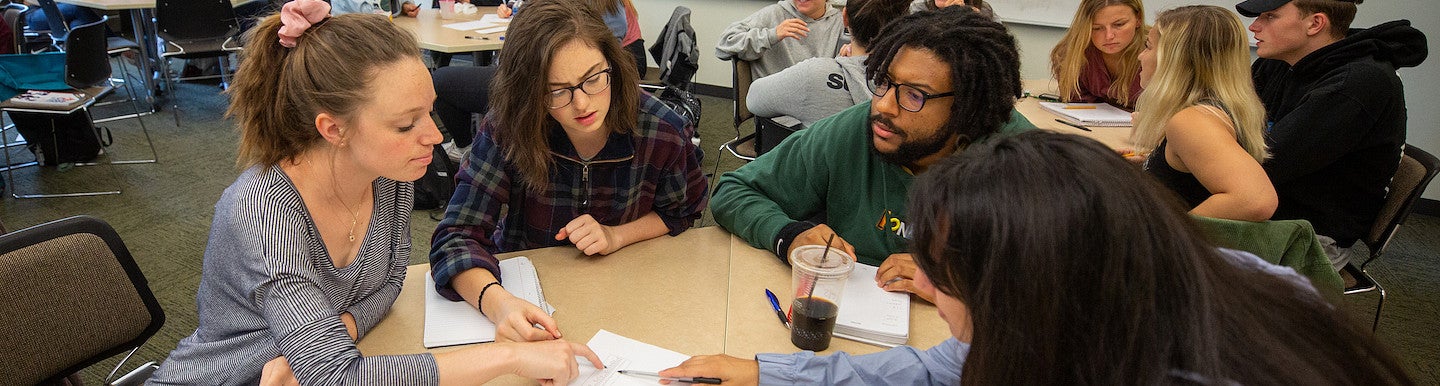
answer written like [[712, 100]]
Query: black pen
[[1073, 125], [477, 37], [704, 380], [775, 303]]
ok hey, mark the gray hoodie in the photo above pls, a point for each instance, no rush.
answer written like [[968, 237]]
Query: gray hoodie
[[811, 90], [753, 38]]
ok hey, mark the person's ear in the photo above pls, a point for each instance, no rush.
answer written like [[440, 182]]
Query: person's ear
[[331, 128], [1318, 23], [845, 16]]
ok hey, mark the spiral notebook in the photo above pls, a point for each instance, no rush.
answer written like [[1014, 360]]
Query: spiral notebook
[[1089, 114], [448, 323]]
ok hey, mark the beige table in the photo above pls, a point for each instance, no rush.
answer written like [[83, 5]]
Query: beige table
[[668, 291], [432, 35], [751, 326], [1115, 137], [698, 293]]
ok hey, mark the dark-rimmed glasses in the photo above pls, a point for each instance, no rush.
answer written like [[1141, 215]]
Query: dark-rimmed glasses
[[592, 85], [908, 97]]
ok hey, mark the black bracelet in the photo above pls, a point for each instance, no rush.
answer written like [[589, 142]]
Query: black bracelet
[[479, 305]]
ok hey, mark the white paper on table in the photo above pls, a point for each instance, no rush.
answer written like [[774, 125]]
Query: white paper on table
[[470, 25], [492, 30], [494, 19], [621, 353]]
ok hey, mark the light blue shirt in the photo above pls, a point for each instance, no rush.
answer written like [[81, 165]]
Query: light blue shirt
[[904, 365]]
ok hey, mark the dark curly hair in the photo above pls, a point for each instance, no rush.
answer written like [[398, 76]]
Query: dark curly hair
[[984, 64]]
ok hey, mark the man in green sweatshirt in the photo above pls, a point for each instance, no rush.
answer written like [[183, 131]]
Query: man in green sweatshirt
[[943, 79]]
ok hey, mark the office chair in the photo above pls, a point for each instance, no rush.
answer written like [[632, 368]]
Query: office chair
[[1417, 169], [73, 298]]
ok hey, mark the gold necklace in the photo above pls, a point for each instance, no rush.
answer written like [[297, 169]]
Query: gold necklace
[[354, 213]]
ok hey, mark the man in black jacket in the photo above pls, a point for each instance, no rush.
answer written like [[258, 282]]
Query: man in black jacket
[[1335, 111]]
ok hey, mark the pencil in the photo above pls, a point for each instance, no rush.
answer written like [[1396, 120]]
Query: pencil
[[1073, 125]]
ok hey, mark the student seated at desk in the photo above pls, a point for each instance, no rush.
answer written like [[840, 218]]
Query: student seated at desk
[[943, 80], [1052, 265], [309, 246], [782, 34], [572, 152], [820, 87], [1096, 59], [1201, 117], [980, 6]]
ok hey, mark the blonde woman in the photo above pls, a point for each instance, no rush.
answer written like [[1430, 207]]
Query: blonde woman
[[1095, 61], [1200, 115]]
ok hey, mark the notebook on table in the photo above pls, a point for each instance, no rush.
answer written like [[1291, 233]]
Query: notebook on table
[[1089, 114], [54, 100], [448, 323], [870, 314]]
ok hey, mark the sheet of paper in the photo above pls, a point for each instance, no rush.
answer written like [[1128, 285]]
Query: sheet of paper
[[492, 30], [621, 353], [494, 19], [470, 25]]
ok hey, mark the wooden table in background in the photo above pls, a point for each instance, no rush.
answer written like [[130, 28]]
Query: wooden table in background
[[1115, 137], [431, 34]]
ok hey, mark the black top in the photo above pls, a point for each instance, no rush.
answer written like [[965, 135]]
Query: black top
[[1182, 183], [1336, 124]]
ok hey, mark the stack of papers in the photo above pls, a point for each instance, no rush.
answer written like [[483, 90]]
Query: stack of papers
[[47, 99], [870, 314], [1089, 114], [449, 323], [488, 24]]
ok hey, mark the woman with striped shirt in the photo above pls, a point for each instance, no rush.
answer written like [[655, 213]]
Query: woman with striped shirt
[[308, 247]]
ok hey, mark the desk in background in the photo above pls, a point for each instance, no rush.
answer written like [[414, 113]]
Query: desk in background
[[1115, 137], [430, 32], [701, 292]]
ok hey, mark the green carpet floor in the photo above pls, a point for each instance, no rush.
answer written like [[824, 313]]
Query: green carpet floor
[[165, 210]]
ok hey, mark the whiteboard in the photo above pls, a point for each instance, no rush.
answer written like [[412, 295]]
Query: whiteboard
[[1059, 13]]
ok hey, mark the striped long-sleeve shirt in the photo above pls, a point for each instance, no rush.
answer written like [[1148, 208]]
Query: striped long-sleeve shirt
[[653, 168], [269, 288]]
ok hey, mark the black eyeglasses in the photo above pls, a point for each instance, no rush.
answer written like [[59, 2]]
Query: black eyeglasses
[[592, 85], [908, 97]]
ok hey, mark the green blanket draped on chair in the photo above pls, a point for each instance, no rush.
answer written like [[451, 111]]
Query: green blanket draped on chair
[[1289, 243]]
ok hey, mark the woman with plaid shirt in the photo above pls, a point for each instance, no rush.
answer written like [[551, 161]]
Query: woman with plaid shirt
[[571, 152]]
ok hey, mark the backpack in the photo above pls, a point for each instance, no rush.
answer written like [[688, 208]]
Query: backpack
[[433, 190], [59, 139]]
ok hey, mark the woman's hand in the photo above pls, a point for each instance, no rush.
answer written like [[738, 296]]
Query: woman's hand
[[589, 236], [1131, 155], [897, 274], [516, 319], [277, 373], [504, 11], [730, 370], [552, 362]]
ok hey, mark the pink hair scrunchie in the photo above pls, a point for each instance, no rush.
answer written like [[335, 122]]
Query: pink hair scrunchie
[[297, 16]]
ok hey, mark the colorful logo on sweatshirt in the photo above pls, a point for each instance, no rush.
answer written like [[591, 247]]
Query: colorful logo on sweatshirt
[[889, 223]]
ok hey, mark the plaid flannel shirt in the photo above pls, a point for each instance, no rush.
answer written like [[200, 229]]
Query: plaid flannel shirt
[[653, 168]]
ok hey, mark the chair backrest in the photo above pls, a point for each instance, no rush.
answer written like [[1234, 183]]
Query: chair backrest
[[740, 79], [58, 29], [12, 15], [185, 21], [676, 53], [87, 62], [1417, 169], [73, 297]]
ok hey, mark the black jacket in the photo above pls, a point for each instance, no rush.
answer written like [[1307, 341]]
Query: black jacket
[[1336, 126]]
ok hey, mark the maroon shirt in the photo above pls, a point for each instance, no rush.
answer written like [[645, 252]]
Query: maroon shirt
[[1095, 82]]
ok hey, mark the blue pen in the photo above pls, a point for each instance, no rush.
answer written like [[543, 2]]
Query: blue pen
[[775, 303]]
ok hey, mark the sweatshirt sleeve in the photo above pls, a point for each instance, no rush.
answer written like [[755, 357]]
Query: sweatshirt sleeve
[[462, 240], [1323, 128], [779, 93], [785, 185], [904, 365], [748, 38]]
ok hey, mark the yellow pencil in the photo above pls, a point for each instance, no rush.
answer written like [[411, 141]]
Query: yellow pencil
[[1082, 107]]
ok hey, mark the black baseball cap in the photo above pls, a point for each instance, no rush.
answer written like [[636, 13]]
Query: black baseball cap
[[1253, 8]]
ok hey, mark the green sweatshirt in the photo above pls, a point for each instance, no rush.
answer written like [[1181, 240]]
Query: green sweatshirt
[[827, 168]]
